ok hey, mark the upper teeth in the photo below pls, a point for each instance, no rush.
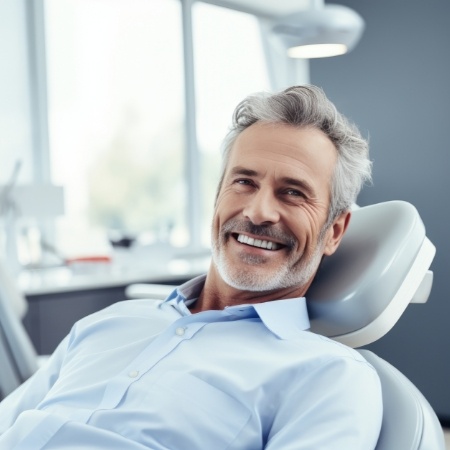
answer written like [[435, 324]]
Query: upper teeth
[[258, 242]]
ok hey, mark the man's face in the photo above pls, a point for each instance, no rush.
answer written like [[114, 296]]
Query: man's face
[[269, 222]]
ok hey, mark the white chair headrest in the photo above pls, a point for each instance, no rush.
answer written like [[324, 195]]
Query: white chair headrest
[[362, 290]]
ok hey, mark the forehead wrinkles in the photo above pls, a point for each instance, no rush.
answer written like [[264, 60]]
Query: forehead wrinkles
[[275, 140]]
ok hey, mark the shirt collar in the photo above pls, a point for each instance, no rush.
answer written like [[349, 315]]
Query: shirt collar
[[284, 318], [186, 294]]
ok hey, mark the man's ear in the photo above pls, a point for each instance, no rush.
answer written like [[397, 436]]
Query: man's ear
[[336, 232]]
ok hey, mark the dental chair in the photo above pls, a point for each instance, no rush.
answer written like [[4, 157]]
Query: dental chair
[[359, 294], [18, 357]]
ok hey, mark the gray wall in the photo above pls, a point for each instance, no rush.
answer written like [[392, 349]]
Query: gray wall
[[395, 86]]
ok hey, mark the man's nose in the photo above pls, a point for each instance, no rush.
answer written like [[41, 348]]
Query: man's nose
[[262, 208]]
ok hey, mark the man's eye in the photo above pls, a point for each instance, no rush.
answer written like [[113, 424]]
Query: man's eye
[[243, 181], [294, 193]]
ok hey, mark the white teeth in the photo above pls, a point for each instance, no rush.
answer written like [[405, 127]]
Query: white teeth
[[257, 242]]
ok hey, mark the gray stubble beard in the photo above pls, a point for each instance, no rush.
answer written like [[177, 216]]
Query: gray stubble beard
[[247, 279]]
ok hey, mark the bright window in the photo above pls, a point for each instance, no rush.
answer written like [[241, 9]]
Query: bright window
[[116, 119]]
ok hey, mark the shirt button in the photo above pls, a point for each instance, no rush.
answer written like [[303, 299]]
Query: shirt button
[[180, 331], [133, 373]]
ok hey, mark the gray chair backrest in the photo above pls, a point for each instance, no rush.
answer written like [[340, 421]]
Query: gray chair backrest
[[409, 422]]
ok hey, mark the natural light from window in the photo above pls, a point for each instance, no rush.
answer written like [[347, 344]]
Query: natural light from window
[[116, 119]]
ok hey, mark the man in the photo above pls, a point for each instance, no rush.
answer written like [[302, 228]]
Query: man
[[227, 361]]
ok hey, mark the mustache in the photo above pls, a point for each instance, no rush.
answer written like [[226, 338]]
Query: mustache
[[267, 231]]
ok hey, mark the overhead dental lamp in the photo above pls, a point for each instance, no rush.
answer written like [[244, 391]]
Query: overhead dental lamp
[[320, 32]]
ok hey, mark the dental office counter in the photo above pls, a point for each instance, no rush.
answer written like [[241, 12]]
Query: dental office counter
[[58, 297]]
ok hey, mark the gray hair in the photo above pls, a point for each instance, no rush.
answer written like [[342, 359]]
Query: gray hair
[[308, 106]]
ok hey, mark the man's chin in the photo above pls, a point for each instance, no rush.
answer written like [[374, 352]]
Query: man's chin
[[247, 285], [253, 272], [251, 278]]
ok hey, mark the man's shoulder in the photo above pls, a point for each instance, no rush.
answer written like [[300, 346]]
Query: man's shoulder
[[133, 306], [325, 349], [121, 311]]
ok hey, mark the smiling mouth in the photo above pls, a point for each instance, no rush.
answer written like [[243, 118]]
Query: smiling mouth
[[259, 243]]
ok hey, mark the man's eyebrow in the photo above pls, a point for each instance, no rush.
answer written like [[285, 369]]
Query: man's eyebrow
[[243, 171]]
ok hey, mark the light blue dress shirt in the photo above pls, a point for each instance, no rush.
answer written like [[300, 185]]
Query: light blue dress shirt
[[146, 374]]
